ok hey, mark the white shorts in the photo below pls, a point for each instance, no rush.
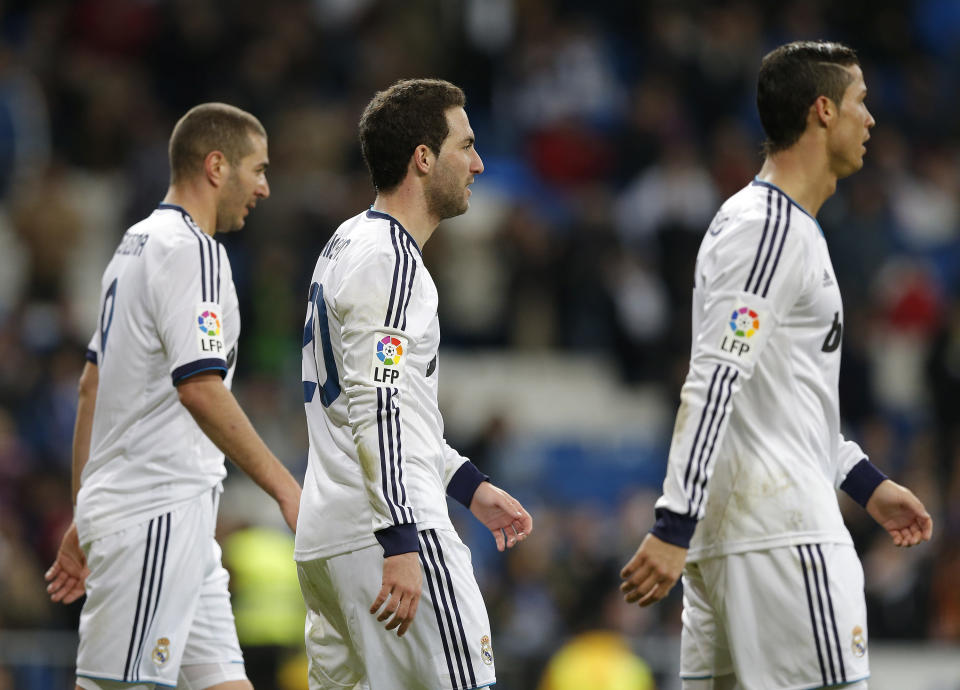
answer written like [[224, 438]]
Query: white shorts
[[782, 619], [448, 646], [157, 601]]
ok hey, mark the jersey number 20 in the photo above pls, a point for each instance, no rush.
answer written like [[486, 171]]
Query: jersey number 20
[[318, 324]]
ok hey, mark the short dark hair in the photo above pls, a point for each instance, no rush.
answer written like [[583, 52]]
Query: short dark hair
[[791, 78], [398, 120], [210, 127]]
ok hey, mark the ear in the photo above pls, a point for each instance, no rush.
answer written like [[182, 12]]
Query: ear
[[215, 167], [423, 159], [823, 110]]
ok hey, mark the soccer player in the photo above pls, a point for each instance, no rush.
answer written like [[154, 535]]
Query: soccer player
[[154, 419], [773, 590], [374, 541]]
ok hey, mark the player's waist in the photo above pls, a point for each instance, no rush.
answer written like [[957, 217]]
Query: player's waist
[[100, 512], [312, 544]]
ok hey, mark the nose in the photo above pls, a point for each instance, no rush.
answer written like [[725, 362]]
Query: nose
[[870, 121], [476, 166], [263, 188]]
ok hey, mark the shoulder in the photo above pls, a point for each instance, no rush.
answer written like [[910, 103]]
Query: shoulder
[[168, 231], [374, 249], [374, 264], [756, 231], [177, 250]]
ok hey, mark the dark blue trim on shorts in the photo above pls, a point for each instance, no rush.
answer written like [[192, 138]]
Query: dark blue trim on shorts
[[129, 682], [464, 483], [834, 685], [90, 356], [197, 366], [862, 481]]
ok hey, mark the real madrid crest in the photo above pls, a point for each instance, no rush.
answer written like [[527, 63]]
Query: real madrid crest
[[161, 653], [486, 651], [859, 644]]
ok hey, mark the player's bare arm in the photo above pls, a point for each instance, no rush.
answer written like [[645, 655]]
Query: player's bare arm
[[901, 513], [219, 415], [652, 572], [400, 591], [502, 514], [67, 575]]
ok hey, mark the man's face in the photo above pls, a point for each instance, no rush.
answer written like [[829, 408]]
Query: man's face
[[447, 188], [245, 184], [852, 127]]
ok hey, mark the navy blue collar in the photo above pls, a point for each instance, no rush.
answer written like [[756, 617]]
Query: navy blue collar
[[760, 183], [386, 216], [180, 209]]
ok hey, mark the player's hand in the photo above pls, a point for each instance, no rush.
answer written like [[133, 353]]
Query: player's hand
[[502, 514], [68, 575], [652, 572], [901, 513], [402, 585]]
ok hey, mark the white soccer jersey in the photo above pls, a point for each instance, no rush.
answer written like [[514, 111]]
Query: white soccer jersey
[[168, 310], [378, 462], [757, 453]]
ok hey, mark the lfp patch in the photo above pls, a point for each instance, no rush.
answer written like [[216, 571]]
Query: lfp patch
[[389, 355], [209, 328], [746, 330], [744, 322]]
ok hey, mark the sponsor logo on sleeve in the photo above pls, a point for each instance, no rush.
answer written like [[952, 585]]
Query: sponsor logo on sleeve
[[209, 330], [744, 325], [389, 355]]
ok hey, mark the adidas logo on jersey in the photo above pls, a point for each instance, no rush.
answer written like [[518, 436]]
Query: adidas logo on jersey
[[827, 278]]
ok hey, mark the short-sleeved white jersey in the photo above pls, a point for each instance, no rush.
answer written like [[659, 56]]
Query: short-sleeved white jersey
[[757, 452], [378, 461], [168, 310]]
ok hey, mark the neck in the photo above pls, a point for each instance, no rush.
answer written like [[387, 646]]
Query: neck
[[409, 207], [201, 208], [803, 173]]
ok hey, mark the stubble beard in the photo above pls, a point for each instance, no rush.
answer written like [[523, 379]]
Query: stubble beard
[[445, 198], [230, 208]]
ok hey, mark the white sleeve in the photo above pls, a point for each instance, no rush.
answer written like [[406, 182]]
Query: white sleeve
[[856, 475], [460, 476], [186, 303], [849, 454], [374, 345], [746, 281]]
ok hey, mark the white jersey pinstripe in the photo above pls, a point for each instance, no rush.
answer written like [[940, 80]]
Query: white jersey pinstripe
[[378, 462], [757, 452], [168, 310]]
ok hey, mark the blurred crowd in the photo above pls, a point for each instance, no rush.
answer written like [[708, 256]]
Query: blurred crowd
[[611, 132]]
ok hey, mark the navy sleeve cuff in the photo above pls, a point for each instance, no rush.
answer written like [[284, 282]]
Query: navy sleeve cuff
[[398, 539], [180, 373], [91, 356], [862, 481], [464, 482], [674, 528]]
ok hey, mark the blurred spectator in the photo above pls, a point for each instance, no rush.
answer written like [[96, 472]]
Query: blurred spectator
[[597, 660], [610, 131]]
